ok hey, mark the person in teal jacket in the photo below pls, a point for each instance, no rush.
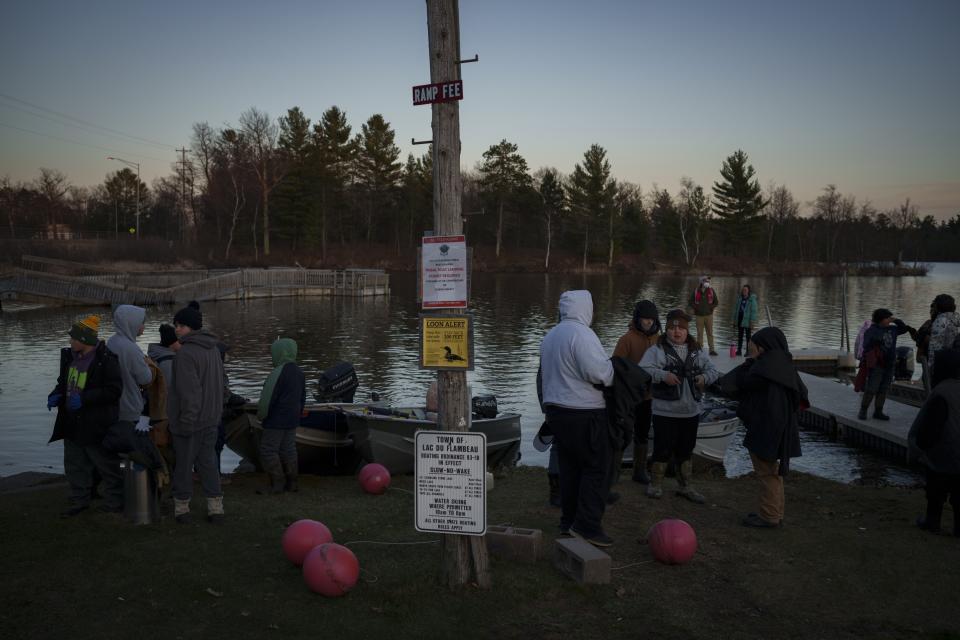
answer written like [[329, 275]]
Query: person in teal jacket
[[746, 311]]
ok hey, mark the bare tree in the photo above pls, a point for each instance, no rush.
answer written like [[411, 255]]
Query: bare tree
[[261, 134], [549, 186], [52, 185], [903, 218], [693, 212], [780, 210], [231, 153]]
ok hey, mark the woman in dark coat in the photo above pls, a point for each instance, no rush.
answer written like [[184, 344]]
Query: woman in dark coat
[[771, 394]]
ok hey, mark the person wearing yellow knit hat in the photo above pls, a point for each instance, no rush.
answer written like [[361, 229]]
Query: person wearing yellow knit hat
[[87, 397]]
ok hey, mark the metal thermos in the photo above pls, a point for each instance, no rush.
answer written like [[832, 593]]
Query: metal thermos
[[141, 505]]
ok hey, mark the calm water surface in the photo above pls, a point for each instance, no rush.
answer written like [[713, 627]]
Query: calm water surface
[[512, 313]]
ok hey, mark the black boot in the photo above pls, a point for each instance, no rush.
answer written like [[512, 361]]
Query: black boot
[[640, 463], [277, 479], [878, 413], [290, 471], [554, 479], [865, 404]]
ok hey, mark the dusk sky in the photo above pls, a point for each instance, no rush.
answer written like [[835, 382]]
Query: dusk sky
[[865, 95]]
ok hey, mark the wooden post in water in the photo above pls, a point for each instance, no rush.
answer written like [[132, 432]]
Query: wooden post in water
[[465, 557]]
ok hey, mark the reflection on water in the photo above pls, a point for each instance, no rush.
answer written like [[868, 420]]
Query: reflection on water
[[512, 313]]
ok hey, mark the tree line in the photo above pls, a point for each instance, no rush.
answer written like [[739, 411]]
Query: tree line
[[305, 186]]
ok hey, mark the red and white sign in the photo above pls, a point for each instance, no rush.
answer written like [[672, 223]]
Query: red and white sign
[[439, 92], [443, 272]]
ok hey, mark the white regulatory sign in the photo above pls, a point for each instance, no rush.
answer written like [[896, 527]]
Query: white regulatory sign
[[451, 472]]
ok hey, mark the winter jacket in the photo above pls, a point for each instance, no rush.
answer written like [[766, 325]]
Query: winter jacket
[[658, 364], [99, 399], [572, 359], [633, 344], [703, 302], [936, 429], [133, 366], [886, 339], [770, 394], [197, 399], [751, 312], [289, 391], [163, 357], [944, 333], [631, 385]]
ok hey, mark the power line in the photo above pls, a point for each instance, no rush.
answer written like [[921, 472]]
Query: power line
[[82, 144], [84, 122]]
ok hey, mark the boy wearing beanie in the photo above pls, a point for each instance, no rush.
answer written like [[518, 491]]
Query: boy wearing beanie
[[86, 397]]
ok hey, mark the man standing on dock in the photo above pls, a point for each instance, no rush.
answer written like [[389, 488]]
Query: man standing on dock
[[703, 301], [574, 364]]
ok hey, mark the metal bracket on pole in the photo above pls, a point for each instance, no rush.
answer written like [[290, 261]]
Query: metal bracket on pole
[[415, 141], [475, 58]]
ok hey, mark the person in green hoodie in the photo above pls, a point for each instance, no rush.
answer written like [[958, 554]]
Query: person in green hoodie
[[281, 405]]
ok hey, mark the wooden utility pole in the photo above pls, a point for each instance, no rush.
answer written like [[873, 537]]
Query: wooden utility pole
[[465, 557]]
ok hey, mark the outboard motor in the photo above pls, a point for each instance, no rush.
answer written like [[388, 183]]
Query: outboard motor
[[483, 407], [337, 384], [904, 367]]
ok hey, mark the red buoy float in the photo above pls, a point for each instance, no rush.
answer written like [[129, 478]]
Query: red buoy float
[[301, 537], [374, 478], [331, 570], [672, 541]]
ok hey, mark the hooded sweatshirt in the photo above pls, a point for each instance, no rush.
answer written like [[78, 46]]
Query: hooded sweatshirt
[[196, 402], [133, 367], [163, 357], [285, 392], [572, 360]]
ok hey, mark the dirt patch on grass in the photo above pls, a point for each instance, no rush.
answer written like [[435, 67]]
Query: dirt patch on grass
[[848, 564]]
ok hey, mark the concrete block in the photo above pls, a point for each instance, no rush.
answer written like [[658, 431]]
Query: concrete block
[[515, 543], [582, 561]]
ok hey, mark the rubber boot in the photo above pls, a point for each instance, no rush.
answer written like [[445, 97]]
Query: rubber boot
[[554, 489], [931, 520], [290, 471], [640, 463], [276, 478], [655, 488], [878, 413], [685, 476], [215, 510], [865, 404], [181, 511]]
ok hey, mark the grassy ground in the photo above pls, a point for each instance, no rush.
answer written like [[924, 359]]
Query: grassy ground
[[849, 564]]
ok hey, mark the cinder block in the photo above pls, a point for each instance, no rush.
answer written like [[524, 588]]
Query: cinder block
[[515, 543], [582, 561]]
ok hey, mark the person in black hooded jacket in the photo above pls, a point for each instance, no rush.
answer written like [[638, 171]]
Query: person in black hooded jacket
[[771, 394]]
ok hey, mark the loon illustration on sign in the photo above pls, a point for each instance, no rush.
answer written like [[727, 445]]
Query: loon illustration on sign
[[438, 92]]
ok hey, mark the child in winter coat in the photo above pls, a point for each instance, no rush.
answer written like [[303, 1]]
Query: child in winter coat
[[281, 405], [681, 370]]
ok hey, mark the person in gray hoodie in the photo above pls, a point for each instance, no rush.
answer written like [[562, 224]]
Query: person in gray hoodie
[[194, 409], [128, 322], [573, 365], [680, 369]]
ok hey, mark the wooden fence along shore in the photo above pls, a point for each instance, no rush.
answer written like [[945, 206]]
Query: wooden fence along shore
[[47, 280]]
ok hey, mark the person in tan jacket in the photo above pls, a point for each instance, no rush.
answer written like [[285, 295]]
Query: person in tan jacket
[[643, 333]]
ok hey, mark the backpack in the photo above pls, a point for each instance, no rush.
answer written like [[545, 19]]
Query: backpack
[[858, 345]]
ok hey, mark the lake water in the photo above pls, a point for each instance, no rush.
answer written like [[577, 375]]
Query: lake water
[[512, 314]]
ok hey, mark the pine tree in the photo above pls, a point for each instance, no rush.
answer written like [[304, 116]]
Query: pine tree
[[554, 202], [738, 199], [334, 150], [503, 173], [591, 191], [292, 195], [378, 167]]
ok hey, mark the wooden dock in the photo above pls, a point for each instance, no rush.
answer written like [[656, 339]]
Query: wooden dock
[[834, 407], [65, 283]]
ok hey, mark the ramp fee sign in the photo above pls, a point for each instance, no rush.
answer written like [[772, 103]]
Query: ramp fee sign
[[446, 342], [438, 92], [443, 272], [451, 472]]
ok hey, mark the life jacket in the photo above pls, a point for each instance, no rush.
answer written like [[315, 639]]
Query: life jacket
[[697, 295]]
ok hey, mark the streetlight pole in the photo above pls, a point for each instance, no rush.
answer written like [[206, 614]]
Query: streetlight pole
[[137, 165]]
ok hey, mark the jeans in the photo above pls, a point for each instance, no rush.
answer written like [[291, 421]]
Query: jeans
[[740, 333], [198, 449]]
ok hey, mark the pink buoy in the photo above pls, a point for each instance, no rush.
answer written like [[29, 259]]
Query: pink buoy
[[331, 570], [672, 541], [374, 478], [301, 537]]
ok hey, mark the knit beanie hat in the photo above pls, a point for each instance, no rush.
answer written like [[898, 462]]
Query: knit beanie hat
[[646, 309], [677, 318], [189, 317], [85, 330], [167, 335]]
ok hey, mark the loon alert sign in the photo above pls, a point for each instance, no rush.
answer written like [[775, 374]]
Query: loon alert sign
[[438, 92], [451, 473]]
